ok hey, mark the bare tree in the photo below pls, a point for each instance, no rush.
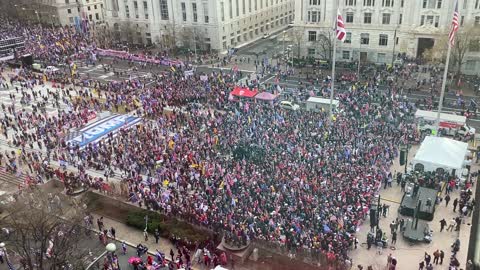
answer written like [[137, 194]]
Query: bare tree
[[325, 44], [169, 36], [467, 40], [191, 37], [46, 231], [298, 36]]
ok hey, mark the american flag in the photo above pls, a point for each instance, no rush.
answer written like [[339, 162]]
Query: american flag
[[340, 27], [455, 25]]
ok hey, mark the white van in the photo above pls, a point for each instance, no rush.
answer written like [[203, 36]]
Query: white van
[[450, 124]]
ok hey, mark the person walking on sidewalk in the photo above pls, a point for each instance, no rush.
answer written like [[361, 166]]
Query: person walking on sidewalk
[[172, 254], [447, 199], [156, 234], [443, 223], [124, 248], [145, 235], [455, 203], [436, 256], [451, 225], [112, 232]]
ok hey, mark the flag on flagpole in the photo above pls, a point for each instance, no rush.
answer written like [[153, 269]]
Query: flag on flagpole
[[340, 27], [455, 25]]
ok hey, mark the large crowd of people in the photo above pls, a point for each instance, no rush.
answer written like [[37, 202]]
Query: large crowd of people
[[310, 190]]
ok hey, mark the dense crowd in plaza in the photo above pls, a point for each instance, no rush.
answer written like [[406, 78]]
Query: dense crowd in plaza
[[311, 191]]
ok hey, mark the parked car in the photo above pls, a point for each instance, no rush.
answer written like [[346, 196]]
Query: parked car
[[289, 105]]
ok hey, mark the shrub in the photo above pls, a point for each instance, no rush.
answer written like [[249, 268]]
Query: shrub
[[168, 226]]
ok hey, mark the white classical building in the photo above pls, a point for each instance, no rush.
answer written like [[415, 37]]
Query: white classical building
[[379, 29], [60, 12], [207, 24]]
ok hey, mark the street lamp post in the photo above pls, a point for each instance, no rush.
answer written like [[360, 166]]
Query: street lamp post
[[109, 251], [53, 22], [283, 52], [38, 19], [394, 43], [195, 42]]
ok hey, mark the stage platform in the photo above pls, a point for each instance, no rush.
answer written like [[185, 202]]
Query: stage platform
[[410, 202], [420, 234]]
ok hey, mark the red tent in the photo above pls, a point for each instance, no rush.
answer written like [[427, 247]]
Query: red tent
[[243, 92]]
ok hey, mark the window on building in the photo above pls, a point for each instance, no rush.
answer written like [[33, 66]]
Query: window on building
[[313, 16], [256, 4], [477, 20], [164, 9], [70, 19], [313, 2], [135, 9], [367, 18], [350, 2], [205, 12], [311, 51], [194, 12], [346, 55], [222, 11], [402, 3], [470, 65], [67, 1], [387, 3], [237, 8], [437, 21], [249, 5], [69, 11], [424, 3], [383, 40], [184, 11], [145, 9], [127, 10], [369, 3], [381, 57], [349, 18], [348, 38], [94, 6], [364, 38], [230, 11], [90, 17], [474, 45], [430, 19], [312, 35], [386, 18], [400, 18], [477, 4], [439, 3], [88, 8], [97, 16], [422, 20]]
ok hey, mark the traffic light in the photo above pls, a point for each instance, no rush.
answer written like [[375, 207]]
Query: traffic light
[[402, 157]]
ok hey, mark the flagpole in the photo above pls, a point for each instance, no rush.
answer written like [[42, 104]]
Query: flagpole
[[442, 93], [333, 62]]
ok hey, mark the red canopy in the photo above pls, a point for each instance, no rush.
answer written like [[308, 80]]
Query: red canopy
[[243, 92]]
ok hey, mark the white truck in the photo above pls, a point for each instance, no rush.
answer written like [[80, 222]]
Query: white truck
[[317, 104], [450, 124]]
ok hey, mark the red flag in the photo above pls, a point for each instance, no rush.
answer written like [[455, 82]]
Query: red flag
[[340, 27], [455, 25]]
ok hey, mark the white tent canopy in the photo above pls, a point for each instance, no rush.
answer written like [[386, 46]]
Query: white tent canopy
[[440, 152]]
